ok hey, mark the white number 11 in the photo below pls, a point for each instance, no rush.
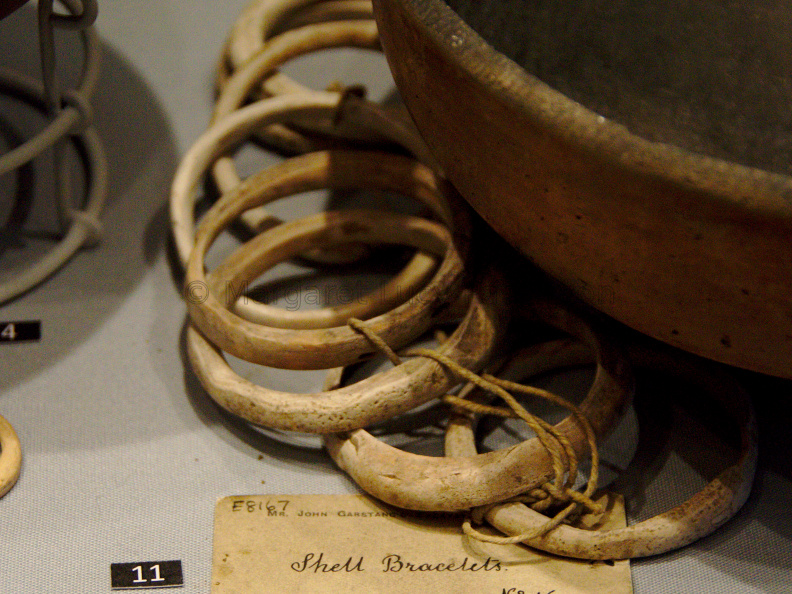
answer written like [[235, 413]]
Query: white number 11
[[139, 571]]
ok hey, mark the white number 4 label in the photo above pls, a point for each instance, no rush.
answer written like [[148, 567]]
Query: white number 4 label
[[20, 331], [149, 574], [9, 332]]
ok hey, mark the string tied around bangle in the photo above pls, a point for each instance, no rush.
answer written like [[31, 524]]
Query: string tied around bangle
[[562, 454], [348, 94]]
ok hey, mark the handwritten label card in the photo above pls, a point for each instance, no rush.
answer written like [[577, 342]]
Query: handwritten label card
[[352, 544]]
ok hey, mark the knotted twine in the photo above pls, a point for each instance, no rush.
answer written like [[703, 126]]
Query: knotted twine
[[558, 447]]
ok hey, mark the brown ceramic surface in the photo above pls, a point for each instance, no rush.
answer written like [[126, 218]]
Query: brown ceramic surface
[[691, 249]]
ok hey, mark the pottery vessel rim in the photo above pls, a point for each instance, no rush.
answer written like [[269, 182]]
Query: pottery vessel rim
[[745, 187]]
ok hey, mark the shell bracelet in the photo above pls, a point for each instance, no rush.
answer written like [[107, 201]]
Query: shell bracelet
[[698, 516], [452, 484], [233, 129], [375, 398], [264, 344]]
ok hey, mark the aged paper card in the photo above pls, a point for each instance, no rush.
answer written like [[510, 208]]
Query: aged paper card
[[353, 544]]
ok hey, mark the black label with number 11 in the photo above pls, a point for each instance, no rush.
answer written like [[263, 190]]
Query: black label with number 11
[[146, 574]]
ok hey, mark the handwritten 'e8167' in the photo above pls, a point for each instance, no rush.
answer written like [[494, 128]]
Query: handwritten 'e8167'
[[276, 508]]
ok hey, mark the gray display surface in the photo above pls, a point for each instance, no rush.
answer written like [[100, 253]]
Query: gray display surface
[[125, 455]]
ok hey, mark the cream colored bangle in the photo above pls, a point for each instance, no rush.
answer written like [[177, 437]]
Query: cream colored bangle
[[451, 484], [327, 347], [264, 19], [422, 185], [372, 400], [288, 45], [695, 518], [262, 79], [347, 126], [257, 22], [10, 457], [257, 256], [258, 73], [285, 47], [349, 169], [329, 10], [231, 131], [267, 81]]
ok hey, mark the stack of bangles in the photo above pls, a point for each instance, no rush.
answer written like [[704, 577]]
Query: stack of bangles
[[338, 140]]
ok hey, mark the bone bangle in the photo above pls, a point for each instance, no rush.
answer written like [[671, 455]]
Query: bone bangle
[[380, 121], [686, 523], [263, 19], [286, 46], [452, 484], [232, 130], [349, 169], [289, 240], [309, 135], [251, 261], [264, 62], [279, 50], [329, 10], [10, 456], [418, 182], [329, 347], [257, 22], [372, 400]]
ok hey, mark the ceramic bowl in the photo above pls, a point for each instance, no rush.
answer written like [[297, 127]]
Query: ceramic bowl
[[692, 246]]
